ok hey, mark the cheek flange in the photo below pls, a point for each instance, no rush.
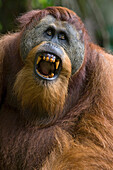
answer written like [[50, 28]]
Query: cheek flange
[[47, 66]]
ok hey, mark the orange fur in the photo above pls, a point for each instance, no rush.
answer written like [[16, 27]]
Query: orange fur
[[93, 146], [47, 97], [77, 133]]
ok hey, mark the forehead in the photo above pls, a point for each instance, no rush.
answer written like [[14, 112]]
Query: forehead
[[51, 21]]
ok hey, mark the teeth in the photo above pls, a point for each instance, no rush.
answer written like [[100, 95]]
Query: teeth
[[54, 60], [39, 58], [47, 58], [42, 75], [46, 76], [52, 75], [44, 57], [57, 64], [51, 59]]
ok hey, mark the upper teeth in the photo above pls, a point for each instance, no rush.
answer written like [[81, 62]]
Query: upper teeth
[[57, 64], [38, 60], [44, 57], [49, 58]]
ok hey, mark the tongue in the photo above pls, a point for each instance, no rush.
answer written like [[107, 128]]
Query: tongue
[[46, 67]]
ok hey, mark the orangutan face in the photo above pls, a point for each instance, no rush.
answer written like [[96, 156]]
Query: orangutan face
[[52, 51]]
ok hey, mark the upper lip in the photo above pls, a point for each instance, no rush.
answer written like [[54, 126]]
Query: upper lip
[[51, 48]]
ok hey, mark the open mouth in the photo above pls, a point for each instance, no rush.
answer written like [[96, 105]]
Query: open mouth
[[47, 66]]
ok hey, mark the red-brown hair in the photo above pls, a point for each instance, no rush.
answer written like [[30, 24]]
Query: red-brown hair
[[82, 136]]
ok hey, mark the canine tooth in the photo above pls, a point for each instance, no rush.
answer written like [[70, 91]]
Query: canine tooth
[[57, 64], [52, 74], [39, 58]]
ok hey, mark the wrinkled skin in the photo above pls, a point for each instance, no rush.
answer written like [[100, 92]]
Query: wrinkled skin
[[72, 44]]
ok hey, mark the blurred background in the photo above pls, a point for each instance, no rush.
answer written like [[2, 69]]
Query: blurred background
[[97, 16]]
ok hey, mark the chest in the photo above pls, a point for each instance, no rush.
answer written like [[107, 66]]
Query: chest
[[24, 147]]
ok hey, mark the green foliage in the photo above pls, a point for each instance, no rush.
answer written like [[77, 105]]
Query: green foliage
[[1, 27], [110, 31], [42, 3], [0, 3]]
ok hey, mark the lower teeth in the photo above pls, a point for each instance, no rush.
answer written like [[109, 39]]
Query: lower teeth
[[52, 75]]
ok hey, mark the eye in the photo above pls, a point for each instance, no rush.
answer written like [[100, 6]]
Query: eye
[[50, 32], [62, 36]]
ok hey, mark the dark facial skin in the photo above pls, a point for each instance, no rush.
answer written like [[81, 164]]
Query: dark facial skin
[[55, 35]]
